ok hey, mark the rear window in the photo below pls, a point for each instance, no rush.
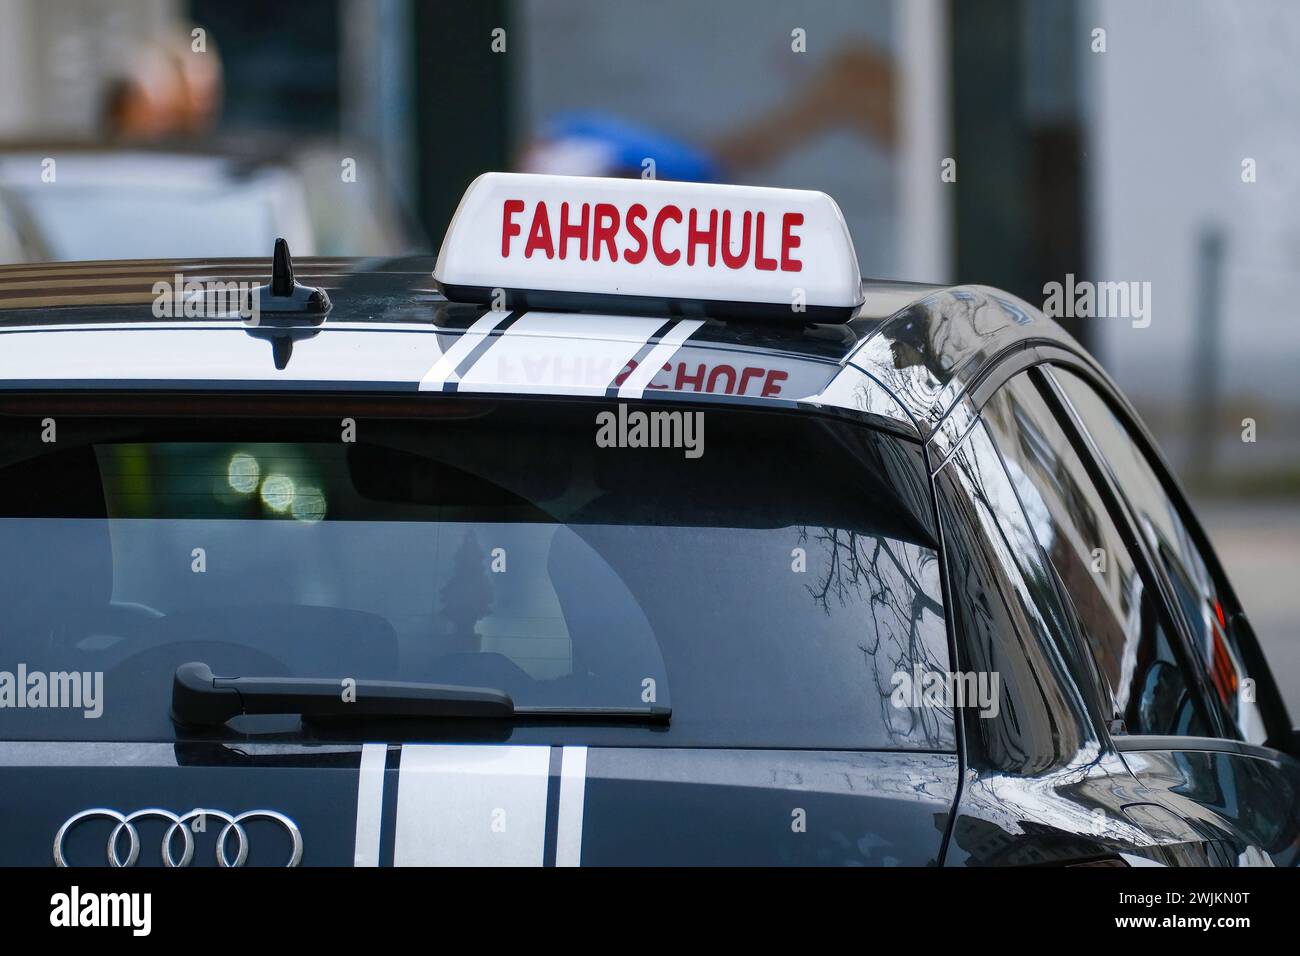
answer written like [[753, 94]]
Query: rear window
[[769, 590]]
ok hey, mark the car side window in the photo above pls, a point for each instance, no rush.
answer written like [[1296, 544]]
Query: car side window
[[1119, 618], [1012, 632], [1168, 536]]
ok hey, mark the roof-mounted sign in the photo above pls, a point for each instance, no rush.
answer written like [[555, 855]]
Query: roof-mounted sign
[[570, 242]]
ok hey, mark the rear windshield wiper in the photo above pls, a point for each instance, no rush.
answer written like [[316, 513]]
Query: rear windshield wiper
[[201, 699]]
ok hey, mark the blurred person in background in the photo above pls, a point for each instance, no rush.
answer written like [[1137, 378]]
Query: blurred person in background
[[164, 180], [856, 90], [164, 89]]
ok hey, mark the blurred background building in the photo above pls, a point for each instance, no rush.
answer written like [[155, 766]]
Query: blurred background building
[[1006, 142]]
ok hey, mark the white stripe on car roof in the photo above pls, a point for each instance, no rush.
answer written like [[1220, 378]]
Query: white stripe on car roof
[[635, 384], [444, 369], [545, 354]]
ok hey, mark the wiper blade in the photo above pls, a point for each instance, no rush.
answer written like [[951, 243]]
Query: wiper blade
[[201, 699], [653, 713]]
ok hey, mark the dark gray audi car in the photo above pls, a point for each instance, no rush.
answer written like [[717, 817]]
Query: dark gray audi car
[[386, 579]]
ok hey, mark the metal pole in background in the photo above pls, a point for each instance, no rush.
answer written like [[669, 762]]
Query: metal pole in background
[[377, 87], [1203, 428], [463, 105], [1019, 142], [927, 244]]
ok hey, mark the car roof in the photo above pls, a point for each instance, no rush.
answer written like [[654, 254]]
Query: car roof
[[905, 358]]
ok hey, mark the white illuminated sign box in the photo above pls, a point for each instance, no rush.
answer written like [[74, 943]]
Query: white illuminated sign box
[[570, 242]]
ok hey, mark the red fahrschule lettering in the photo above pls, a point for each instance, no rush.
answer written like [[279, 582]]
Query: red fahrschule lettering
[[603, 231]]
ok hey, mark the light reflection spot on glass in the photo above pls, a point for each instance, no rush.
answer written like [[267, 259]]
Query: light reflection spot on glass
[[243, 472], [278, 492], [308, 504]]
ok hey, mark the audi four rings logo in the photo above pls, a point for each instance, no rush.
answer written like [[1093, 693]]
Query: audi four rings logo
[[179, 835]]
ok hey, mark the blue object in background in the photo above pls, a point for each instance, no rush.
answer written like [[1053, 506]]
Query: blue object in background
[[629, 145]]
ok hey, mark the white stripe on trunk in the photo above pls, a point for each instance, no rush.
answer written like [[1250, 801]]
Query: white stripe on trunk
[[573, 794], [370, 804], [471, 806]]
